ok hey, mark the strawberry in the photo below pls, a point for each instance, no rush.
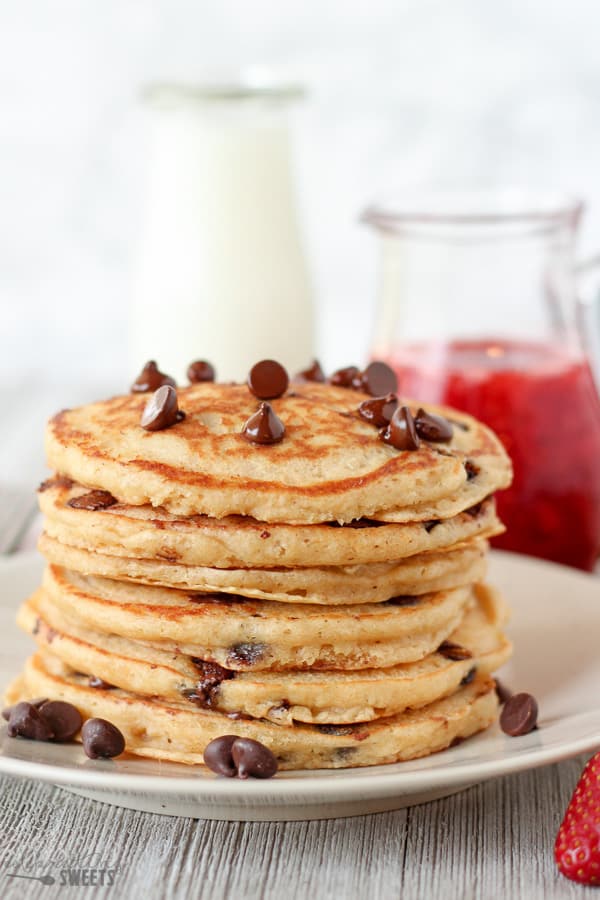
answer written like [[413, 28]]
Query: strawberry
[[577, 847]]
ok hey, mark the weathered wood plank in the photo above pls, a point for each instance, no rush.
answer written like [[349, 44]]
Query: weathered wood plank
[[492, 841]]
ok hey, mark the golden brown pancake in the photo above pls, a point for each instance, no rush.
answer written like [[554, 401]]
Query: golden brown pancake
[[326, 586], [172, 731], [282, 697], [243, 634], [141, 532], [330, 465]]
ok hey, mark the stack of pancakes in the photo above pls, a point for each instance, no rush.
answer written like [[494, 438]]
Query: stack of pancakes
[[324, 595]]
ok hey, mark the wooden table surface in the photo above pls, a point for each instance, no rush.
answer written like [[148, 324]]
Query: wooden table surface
[[492, 841]]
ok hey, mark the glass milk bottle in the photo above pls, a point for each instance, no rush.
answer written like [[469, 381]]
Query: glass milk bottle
[[221, 273]]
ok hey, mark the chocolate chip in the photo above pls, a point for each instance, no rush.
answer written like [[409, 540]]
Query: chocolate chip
[[247, 654], [102, 739], [94, 500], [99, 683], [519, 715], [313, 373], [161, 409], [431, 524], [344, 753], [344, 377], [268, 379], [337, 730], [238, 715], [471, 469], [433, 428], [212, 674], [232, 756], [150, 379], [401, 432], [200, 371], [63, 719], [26, 721], [469, 677], [377, 379], [402, 601], [378, 411], [454, 651], [6, 713], [253, 758], [503, 693], [264, 427], [218, 756]]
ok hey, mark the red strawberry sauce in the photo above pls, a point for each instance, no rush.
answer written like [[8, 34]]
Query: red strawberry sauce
[[544, 406]]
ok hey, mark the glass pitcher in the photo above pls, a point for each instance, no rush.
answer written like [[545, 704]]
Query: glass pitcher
[[479, 309]]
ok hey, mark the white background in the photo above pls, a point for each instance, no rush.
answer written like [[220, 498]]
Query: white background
[[402, 90]]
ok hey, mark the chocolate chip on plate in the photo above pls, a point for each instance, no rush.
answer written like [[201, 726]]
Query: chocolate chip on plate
[[218, 757], [231, 755], [150, 379], [27, 721], [401, 432], [377, 379], [454, 651], [199, 371], [433, 428], [268, 379], [344, 377], [264, 426], [379, 410], [519, 715], [63, 718], [93, 500], [253, 758], [101, 739], [161, 410], [313, 373], [6, 713]]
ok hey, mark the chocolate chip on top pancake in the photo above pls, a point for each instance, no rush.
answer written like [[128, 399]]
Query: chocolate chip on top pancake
[[330, 465]]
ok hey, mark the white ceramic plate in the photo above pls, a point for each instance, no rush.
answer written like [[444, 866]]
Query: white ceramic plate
[[556, 631]]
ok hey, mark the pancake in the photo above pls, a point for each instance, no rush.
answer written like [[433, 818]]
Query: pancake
[[242, 542], [313, 697], [330, 466], [173, 731], [243, 634], [328, 586]]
